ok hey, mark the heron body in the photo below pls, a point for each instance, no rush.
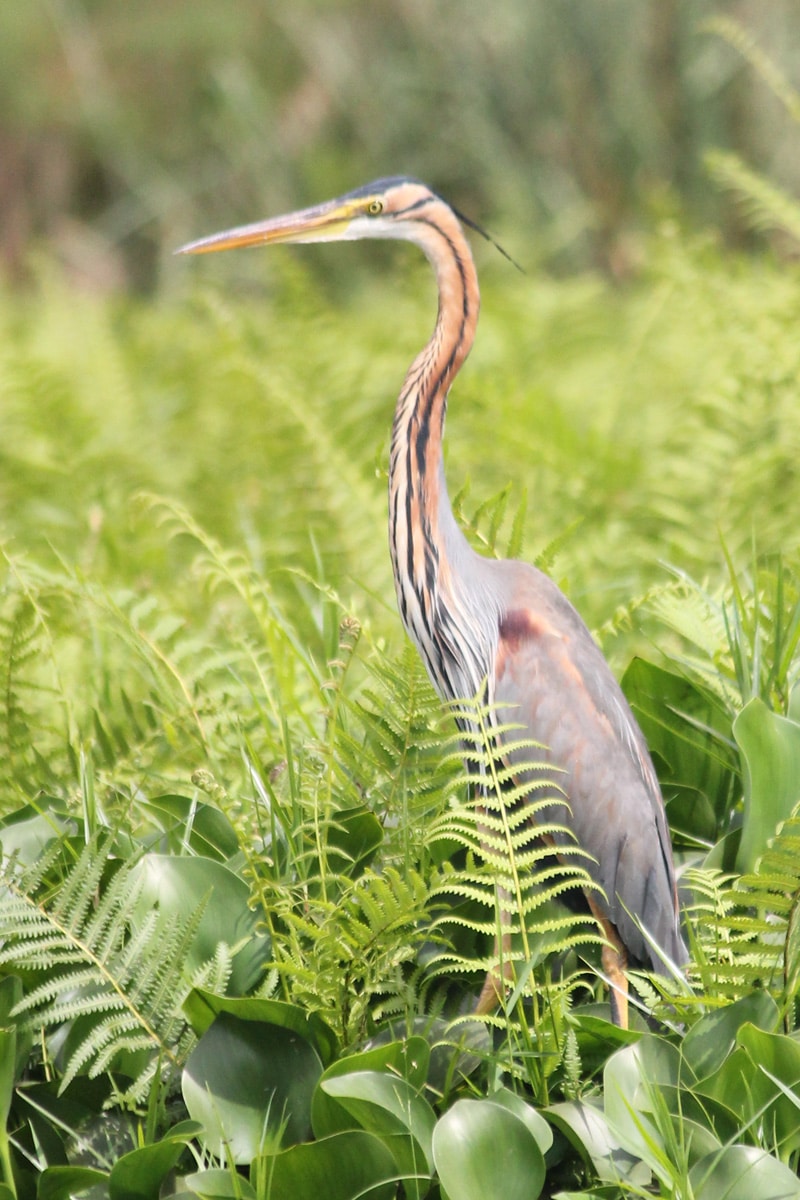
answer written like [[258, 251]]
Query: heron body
[[503, 627]]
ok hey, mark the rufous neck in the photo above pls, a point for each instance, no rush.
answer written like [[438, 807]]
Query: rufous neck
[[422, 529]]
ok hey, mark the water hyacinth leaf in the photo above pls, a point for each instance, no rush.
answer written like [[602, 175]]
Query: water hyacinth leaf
[[203, 1007], [481, 1148], [353, 838], [743, 1173], [454, 1053], [250, 1085], [62, 1183], [217, 1184], [180, 886], [206, 828], [139, 1174], [776, 1058], [536, 1123], [631, 1078], [687, 729], [344, 1166], [770, 747], [759, 1082], [28, 831], [712, 1039], [586, 1128], [391, 1109], [406, 1059]]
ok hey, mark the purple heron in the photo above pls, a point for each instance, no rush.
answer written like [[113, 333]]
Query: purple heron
[[503, 628]]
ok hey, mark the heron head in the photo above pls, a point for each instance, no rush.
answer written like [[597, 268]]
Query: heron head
[[387, 208]]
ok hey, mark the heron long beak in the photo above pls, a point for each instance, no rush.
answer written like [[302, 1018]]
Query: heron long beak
[[321, 223]]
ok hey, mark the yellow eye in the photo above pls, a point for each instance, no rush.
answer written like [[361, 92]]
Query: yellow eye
[[375, 208]]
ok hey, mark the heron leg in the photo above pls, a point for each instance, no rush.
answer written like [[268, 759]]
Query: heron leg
[[495, 984], [614, 958]]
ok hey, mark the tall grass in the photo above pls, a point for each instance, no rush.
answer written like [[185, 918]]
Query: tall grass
[[209, 716]]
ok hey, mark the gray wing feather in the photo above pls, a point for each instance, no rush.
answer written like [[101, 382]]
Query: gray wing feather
[[551, 678]]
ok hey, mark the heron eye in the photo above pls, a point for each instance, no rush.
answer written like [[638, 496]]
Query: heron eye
[[375, 208]]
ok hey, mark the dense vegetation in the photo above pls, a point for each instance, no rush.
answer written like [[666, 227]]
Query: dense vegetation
[[125, 130], [244, 905]]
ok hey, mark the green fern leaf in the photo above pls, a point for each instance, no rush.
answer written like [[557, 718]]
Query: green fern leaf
[[85, 963]]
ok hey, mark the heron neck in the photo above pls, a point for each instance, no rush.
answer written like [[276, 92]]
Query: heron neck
[[428, 548]]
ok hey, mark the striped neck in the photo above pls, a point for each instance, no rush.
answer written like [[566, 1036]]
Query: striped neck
[[427, 547]]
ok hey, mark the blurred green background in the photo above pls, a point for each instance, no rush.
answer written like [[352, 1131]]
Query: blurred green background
[[636, 387], [564, 125]]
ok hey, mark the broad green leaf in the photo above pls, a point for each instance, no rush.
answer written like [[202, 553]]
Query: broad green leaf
[[770, 746], [389, 1107], [203, 1007], [586, 1128], [536, 1123], [179, 886], [711, 1040], [598, 1038], [210, 833], [139, 1174], [777, 1057], [352, 1165], [353, 838], [217, 1184], [27, 831], [722, 855], [743, 1086], [250, 1085], [630, 1079], [455, 1053], [482, 1149], [599, 1193], [61, 1183], [687, 729], [649, 1103], [743, 1173], [406, 1059]]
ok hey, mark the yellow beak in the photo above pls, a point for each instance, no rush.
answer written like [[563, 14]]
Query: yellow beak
[[321, 223]]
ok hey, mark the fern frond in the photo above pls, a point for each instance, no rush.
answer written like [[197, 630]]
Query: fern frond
[[737, 36], [31, 699], [350, 959], [217, 567], [85, 962], [764, 205], [520, 859], [743, 927]]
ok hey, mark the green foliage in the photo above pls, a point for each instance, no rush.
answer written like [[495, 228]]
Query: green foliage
[[111, 985], [248, 877], [509, 889], [573, 121], [746, 926]]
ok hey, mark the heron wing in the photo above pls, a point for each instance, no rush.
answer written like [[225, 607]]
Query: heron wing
[[552, 679]]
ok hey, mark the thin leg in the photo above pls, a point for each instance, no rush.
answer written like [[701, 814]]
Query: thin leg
[[615, 960], [494, 986]]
